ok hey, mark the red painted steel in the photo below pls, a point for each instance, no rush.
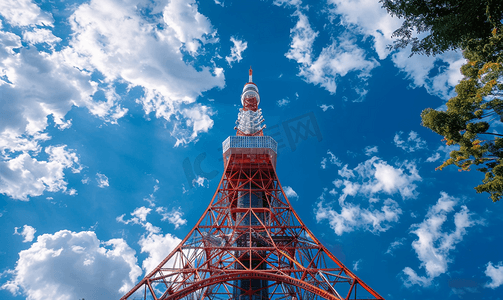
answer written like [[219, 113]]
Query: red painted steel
[[269, 243]]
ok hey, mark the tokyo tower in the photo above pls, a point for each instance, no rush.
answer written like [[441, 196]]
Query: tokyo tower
[[250, 244]]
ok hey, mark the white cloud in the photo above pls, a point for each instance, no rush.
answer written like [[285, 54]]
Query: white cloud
[[345, 172], [236, 50], [190, 27], [303, 37], [434, 244], [325, 107], [353, 217], [150, 57], [323, 163], [23, 176], [174, 217], [39, 36], [197, 120], [139, 217], [282, 102], [28, 233], [290, 193], [442, 151], [370, 180], [157, 246], [119, 43], [40, 84], [418, 69], [24, 13], [141, 213], [336, 60], [332, 159], [69, 265], [369, 150], [495, 273], [102, 180], [375, 176], [413, 143], [370, 19], [356, 265], [434, 157], [287, 2], [11, 143], [395, 245], [199, 181]]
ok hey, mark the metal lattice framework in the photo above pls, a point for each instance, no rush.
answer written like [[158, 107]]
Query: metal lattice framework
[[250, 244]]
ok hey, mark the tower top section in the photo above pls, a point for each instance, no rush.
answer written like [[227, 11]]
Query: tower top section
[[250, 97], [250, 118]]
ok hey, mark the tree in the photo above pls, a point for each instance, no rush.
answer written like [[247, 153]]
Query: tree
[[448, 24], [474, 26], [470, 114]]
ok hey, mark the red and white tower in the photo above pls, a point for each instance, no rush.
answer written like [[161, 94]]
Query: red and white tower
[[250, 244]]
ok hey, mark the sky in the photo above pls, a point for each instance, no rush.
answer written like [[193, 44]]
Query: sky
[[112, 115]]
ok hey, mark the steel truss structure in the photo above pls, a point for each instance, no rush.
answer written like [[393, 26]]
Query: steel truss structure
[[250, 244]]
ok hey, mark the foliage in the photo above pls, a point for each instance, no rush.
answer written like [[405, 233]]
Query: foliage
[[469, 116], [445, 24]]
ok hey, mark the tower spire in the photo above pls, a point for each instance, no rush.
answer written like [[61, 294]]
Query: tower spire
[[250, 76]]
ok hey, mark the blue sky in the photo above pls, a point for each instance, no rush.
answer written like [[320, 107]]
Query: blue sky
[[113, 113]]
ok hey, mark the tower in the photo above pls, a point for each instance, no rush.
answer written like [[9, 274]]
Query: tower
[[250, 244]]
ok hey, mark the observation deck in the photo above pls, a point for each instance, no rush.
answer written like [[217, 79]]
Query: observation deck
[[250, 145]]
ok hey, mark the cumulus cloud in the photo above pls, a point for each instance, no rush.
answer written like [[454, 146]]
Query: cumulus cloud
[[40, 36], [353, 217], [495, 273], [282, 102], [287, 2], [371, 150], [24, 176], [150, 57], [153, 242], [28, 233], [370, 179], [73, 265], [443, 152], [356, 265], [376, 176], [325, 107], [238, 47], [418, 69], [290, 193], [199, 181], [433, 158], [434, 244], [24, 13], [136, 43], [336, 60], [395, 245], [413, 142], [158, 247], [332, 159], [174, 217], [371, 20], [102, 180], [139, 217]]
